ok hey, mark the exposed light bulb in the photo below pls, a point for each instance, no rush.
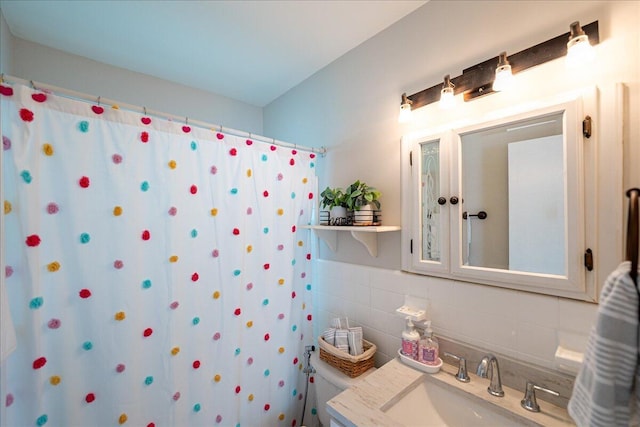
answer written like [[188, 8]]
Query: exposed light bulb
[[579, 50], [504, 77], [447, 97], [405, 110]]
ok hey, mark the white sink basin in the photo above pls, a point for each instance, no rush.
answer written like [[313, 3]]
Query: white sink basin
[[431, 404]]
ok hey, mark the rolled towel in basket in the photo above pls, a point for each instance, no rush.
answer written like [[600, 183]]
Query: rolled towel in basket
[[342, 340], [354, 336], [330, 336], [340, 323]]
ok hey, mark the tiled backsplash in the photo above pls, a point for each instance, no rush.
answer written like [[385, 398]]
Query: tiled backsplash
[[523, 326]]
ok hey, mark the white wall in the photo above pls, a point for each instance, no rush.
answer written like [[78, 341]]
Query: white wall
[[39, 63], [351, 107], [5, 46]]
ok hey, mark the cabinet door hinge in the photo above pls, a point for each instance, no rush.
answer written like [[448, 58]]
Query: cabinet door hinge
[[588, 259], [586, 127], [411, 246], [410, 158]]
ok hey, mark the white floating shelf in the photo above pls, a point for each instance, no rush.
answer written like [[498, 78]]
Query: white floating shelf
[[365, 235]]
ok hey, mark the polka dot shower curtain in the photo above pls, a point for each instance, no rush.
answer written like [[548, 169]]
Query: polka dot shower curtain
[[156, 272]]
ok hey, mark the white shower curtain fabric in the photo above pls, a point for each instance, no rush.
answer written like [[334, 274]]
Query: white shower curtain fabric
[[156, 273]]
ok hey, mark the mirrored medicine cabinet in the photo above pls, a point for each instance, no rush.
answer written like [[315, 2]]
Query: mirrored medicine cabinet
[[502, 201]]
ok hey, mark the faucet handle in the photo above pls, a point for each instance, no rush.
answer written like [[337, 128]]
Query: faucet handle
[[529, 402], [462, 375]]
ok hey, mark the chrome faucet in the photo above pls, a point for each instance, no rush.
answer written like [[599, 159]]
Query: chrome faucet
[[488, 368]]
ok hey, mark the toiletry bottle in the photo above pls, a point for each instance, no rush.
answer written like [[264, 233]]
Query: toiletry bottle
[[428, 347], [410, 338]]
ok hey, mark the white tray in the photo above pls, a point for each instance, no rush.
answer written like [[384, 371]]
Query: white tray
[[429, 369]]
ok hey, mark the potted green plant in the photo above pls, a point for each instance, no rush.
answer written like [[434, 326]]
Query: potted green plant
[[334, 199], [364, 198]]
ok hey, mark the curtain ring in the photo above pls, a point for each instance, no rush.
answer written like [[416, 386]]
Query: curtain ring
[[186, 120], [2, 78], [33, 86], [99, 100], [145, 110]]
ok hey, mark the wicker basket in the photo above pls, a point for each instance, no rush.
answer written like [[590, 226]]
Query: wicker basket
[[352, 366]]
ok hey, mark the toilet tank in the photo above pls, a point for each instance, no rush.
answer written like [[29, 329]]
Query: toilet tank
[[329, 382]]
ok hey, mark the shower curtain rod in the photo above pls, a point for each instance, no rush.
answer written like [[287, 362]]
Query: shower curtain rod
[[68, 93]]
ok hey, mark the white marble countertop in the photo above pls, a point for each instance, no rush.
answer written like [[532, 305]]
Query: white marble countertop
[[363, 404]]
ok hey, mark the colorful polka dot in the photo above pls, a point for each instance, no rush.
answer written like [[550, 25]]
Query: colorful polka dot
[[117, 211], [120, 316], [36, 303], [84, 182], [214, 211], [7, 207], [120, 368], [85, 238], [148, 380], [146, 284], [42, 420], [54, 380], [87, 345], [122, 419], [195, 320], [173, 258], [216, 295], [175, 351], [217, 378], [26, 176], [144, 186], [194, 146], [172, 164], [39, 362], [196, 407], [54, 323], [47, 149]]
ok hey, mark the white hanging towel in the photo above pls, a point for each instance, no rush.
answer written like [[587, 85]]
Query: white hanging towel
[[603, 393], [7, 331]]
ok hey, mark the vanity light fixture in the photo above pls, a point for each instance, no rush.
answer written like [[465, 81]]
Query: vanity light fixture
[[579, 50], [405, 109], [478, 80], [447, 97], [504, 76]]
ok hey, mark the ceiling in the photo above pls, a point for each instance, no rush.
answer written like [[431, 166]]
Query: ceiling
[[251, 51]]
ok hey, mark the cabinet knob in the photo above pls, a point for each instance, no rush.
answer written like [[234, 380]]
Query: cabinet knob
[[454, 200], [442, 200]]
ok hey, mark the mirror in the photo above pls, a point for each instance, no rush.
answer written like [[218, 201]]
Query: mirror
[[514, 209], [431, 191], [502, 201]]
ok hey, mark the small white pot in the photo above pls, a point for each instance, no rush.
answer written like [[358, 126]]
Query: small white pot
[[364, 216], [337, 212]]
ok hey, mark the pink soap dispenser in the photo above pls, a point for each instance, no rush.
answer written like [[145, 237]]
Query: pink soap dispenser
[[410, 339], [428, 347]]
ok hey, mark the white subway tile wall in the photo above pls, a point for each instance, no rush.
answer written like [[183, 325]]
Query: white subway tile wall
[[520, 325]]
